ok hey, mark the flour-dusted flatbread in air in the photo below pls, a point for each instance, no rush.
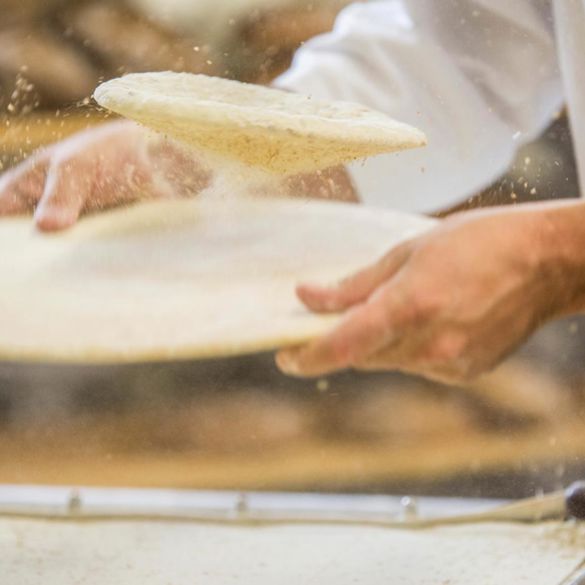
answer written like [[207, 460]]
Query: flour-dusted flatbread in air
[[181, 279], [268, 128]]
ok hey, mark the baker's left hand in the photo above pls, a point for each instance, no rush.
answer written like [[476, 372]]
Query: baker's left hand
[[452, 303]]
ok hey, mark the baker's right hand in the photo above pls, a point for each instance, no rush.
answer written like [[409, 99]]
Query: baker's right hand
[[96, 169]]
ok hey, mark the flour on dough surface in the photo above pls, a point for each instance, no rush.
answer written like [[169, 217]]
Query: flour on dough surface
[[181, 279], [278, 131]]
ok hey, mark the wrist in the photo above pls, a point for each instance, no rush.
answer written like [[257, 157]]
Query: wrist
[[560, 248]]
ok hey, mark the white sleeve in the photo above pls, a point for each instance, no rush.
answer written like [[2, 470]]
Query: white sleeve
[[480, 77], [570, 28]]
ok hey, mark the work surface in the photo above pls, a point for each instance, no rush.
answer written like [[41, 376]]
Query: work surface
[[160, 553], [151, 537]]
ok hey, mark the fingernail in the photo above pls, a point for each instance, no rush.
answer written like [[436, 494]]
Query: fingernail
[[322, 292], [287, 363]]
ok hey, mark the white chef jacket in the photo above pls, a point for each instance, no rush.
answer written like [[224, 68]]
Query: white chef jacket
[[480, 77]]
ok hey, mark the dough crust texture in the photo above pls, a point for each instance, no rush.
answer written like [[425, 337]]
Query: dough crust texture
[[274, 130]]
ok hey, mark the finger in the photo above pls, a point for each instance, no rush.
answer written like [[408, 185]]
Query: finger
[[22, 187], [67, 187], [364, 331], [357, 288]]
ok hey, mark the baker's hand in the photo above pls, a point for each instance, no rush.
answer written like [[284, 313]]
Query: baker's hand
[[96, 169], [452, 303]]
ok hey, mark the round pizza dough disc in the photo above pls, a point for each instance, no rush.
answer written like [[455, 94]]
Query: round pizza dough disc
[[181, 279], [268, 128]]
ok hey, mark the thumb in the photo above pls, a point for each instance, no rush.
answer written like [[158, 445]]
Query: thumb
[[356, 288]]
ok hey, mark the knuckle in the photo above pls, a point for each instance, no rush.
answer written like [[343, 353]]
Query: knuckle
[[343, 295], [343, 355], [345, 351], [348, 349], [425, 305], [377, 323], [418, 308]]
